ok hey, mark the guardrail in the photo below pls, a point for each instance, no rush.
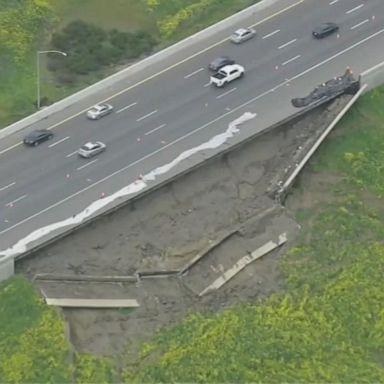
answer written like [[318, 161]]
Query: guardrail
[[373, 77], [282, 192]]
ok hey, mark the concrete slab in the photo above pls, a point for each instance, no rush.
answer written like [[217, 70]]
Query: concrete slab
[[92, 303]]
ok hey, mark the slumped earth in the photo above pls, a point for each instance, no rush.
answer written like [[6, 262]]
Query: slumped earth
[[166, 229]]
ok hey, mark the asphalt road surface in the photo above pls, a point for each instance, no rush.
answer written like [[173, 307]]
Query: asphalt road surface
[[164, 114]]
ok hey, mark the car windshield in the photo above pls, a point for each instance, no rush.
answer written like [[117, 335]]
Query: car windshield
[[219, 60], [35, 134], [89, 146]]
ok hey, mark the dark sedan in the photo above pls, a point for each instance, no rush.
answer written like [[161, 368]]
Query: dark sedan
[[220, 62], [325, 30], [36, 137]]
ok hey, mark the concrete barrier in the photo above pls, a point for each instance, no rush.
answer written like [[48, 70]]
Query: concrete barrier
[[92, 303], [134, 68], [282, 192], [7, 268], [243, 262]]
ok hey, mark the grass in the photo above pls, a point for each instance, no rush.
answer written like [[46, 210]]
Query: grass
[[125, 15], [33, 343]]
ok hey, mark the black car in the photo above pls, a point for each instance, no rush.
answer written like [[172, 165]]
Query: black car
[[37, 137], [325, 30], [220, 62]]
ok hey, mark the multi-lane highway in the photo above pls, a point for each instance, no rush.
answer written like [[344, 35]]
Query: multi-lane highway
[[158, 117]]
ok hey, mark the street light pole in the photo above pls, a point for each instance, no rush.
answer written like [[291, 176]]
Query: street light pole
[[38, 53]]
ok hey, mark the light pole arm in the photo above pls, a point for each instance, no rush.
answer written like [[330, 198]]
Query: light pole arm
[[38, 72]]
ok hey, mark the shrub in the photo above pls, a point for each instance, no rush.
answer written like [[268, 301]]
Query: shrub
[[90, 48]]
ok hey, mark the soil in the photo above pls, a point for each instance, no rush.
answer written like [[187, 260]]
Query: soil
[[229, 199]]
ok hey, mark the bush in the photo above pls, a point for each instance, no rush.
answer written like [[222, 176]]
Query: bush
[[90, 48]]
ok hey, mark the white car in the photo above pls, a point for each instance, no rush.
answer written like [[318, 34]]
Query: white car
[[227, 74], [99, 110], [242, 34], [90, 149]]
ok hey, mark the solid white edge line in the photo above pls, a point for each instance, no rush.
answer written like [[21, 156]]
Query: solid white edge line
[[310, 69], [147, 115], [58, 142], [126, 107], [7, 186]]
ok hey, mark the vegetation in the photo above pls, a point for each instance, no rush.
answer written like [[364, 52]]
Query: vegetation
[[329, 325], [91, 48], [33, 344]]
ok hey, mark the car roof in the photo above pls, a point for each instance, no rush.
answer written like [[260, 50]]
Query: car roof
[[241, 31], [230, 66], [220, 59], [37, 132], [325, 26], [90, 145], [98, 107]]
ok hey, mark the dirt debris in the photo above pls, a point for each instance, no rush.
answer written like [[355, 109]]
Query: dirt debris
[[165, 229]]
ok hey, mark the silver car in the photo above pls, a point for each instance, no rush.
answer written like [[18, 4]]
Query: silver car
[[242, 34], [90, 149], [99, 110]]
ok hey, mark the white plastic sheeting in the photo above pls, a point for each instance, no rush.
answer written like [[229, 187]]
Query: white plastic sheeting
[[131, 189]]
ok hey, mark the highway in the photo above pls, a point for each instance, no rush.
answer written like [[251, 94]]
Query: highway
[[159, 115]]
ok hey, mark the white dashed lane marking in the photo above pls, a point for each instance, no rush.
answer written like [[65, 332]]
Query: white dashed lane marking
[[147, 115], [360, 24], [290, 60], [71, 154], [58, 142], [286, 44], [86, 165], [193, 73], [271, 34], [155, 129], [126, 107], [226, 93], [11, 203], [354, 9], [7, 186]]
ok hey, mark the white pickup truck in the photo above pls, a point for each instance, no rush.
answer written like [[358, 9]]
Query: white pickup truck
[[227, 74]]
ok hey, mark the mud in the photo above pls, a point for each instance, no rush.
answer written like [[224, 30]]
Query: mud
[[165, 230]]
